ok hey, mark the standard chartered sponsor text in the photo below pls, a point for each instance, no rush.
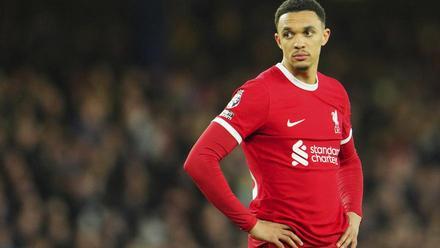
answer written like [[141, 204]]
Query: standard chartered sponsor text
[[323, 154]]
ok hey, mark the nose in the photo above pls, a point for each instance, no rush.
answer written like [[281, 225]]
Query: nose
[[299, 44]]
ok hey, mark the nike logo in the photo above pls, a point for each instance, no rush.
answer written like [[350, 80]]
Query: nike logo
[[291, 124]]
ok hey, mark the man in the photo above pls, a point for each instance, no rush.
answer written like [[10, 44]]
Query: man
[[294, 126]]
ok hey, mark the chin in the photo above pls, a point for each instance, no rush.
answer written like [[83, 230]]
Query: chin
[[301, 67]]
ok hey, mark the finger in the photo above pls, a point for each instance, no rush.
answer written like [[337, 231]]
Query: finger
[[278, 243], [354, 243], [288, 240], [347, 242], [343, 238], [282, 226], [293, 237]]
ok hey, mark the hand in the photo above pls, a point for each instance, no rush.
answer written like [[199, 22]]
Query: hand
[[349, 238], [275, 233]]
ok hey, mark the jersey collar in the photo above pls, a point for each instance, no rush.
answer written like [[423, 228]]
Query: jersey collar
[[296, 81]]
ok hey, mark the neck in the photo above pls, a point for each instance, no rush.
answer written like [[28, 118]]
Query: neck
[[307, 76]]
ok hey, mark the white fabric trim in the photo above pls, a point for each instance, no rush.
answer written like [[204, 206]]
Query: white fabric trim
[[296, 81], [255, 189], [229, 128], [345, 141]]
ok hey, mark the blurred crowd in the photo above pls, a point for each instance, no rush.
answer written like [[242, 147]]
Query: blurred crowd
[[95, 126]]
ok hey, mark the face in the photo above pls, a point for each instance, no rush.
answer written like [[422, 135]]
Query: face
[[300, 35]]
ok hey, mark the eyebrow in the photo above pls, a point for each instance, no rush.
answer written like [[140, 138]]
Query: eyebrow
[[306, 28]]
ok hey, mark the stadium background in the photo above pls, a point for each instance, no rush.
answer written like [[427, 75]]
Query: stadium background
[[100, 101]]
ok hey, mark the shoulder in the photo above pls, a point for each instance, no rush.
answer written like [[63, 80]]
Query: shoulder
[[253, 92], [332, 84], [334, 92], [262, 80]]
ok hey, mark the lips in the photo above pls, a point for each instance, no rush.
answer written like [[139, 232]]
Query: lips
[[300, 56]]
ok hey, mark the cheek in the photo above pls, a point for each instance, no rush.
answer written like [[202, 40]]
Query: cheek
[[284, 46], [316, 46], [288, 45]]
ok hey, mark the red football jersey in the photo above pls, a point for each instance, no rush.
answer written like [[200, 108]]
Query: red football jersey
[[291, 133]]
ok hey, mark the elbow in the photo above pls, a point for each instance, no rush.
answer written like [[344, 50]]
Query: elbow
[[192, 165], [197, 165], [187, 166], [194, 169]]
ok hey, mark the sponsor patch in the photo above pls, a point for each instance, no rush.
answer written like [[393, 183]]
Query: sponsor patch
[[235, 100], [317, 154], [227, 114]]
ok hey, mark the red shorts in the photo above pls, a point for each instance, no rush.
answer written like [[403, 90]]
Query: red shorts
[[253, 243]]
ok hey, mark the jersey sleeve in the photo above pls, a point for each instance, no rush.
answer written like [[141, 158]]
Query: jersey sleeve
[[203, 165], [350, 176], [247, 111]]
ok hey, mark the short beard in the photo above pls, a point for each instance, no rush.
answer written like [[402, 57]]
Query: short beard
[[302, 68]]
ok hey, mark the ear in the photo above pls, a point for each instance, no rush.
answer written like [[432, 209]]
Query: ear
[[277, 40], [325, 36]]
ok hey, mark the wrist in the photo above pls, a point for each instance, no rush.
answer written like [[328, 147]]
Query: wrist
[[354, 218], [251, 224]]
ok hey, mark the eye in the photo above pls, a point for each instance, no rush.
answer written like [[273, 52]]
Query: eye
[[309, 33], [287, 35]]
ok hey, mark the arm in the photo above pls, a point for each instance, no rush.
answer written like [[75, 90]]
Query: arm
[[203, 166], [350, 173], [350, 178], [219, 139], [226, 131], [351, 187]]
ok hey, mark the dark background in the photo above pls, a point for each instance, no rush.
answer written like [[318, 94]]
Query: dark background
[[100, 102]]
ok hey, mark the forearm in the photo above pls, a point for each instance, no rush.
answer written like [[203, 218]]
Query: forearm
[[203, 166], [351, 179]]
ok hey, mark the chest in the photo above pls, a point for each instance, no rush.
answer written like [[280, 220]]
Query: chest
[[304, 116]]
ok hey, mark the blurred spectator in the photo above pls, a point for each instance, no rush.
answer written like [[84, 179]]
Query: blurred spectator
[[93, 133]]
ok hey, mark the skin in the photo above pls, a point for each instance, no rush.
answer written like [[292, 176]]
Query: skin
[[300, 35], [275, 233], [349, 238]]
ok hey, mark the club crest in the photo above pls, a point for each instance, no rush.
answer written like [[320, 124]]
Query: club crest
[[336, 121]]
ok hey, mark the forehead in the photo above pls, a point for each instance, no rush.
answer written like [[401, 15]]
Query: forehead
[[299, 20]]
